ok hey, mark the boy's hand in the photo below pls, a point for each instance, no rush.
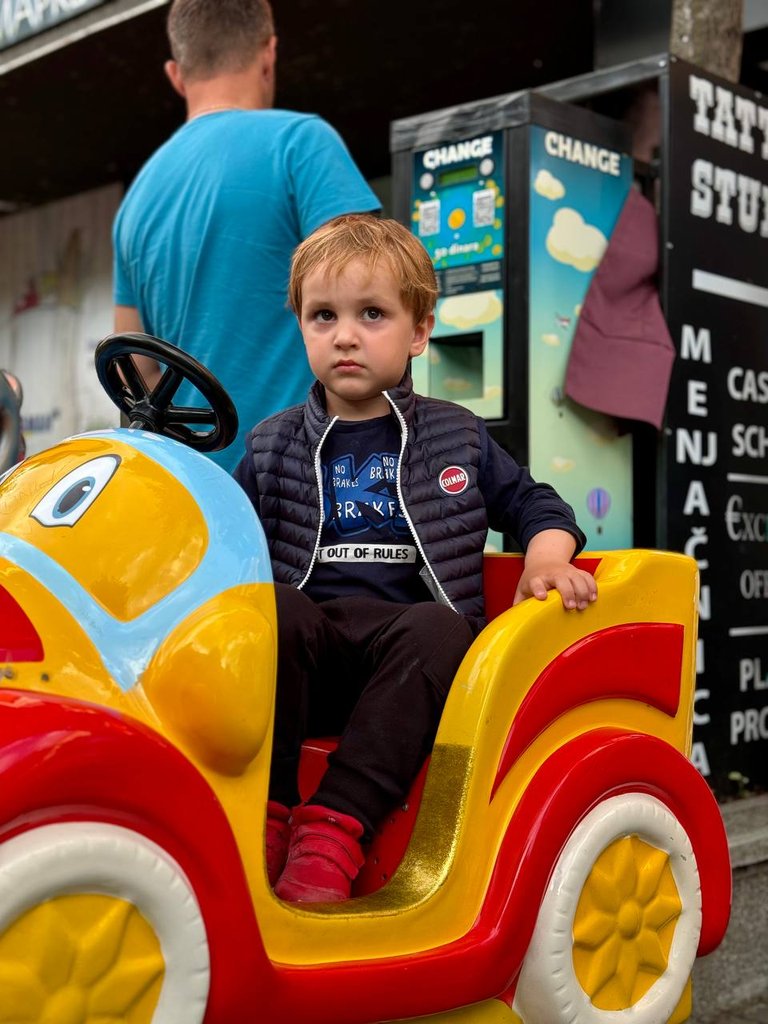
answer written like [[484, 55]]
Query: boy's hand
[[576, 587], [548, 567]]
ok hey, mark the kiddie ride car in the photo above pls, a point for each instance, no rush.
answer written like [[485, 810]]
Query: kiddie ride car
[[560, 860]]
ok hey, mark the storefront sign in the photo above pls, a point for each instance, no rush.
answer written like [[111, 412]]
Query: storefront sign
[[717, 434], [22, 18]]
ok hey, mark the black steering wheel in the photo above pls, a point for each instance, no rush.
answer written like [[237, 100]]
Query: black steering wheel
[[151, 409], [10, 424]]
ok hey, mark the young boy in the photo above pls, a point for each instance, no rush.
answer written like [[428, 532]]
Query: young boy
[[376, 503]]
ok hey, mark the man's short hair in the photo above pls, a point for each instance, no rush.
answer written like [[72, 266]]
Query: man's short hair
[[371, 239], [208, 37]]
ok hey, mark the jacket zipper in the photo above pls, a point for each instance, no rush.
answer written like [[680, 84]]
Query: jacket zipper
[[403, 441], [319, 478]]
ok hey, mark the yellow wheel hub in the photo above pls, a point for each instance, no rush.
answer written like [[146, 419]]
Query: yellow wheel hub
[[624, 923], [80, 960]]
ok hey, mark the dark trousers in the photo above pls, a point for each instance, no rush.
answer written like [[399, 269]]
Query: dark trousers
[[377, 674]]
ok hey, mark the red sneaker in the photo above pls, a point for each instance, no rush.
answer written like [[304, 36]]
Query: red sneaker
[[278, 835], [324, 856]]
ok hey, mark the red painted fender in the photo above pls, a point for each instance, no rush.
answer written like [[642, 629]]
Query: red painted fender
[[64, 760], [486, 961]]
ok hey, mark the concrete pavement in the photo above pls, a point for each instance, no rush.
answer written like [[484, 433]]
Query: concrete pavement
[[753, 1012]]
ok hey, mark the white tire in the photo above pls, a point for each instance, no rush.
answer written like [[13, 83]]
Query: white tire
[[549, 990], [94, 858]]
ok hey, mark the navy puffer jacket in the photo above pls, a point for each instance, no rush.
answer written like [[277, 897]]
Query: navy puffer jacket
[[453, 482]]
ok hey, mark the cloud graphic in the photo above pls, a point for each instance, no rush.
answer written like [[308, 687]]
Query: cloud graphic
[[465, 311], [550, 339], [570, 240], [560, 464], [548, 185], [457, 385]]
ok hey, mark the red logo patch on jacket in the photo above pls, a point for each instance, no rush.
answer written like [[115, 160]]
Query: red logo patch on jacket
[[454, 480]]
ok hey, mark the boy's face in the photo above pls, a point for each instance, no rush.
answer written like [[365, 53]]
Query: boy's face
[[358, 336]]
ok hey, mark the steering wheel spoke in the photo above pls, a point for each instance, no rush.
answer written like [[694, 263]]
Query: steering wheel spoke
[[166, 387], [189, 414], [153, 409], [133, 382]]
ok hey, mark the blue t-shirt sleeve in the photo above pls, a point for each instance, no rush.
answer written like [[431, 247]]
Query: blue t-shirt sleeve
[[122, 287], [325, 179]]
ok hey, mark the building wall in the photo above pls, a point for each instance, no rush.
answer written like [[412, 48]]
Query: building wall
[[55, 306]]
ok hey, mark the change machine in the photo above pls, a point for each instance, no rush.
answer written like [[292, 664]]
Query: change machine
[[515, 199]]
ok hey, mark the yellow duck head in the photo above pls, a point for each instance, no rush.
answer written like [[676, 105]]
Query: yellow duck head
[[134, 573]]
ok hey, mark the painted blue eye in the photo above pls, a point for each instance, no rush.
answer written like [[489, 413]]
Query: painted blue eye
[[73, 495]]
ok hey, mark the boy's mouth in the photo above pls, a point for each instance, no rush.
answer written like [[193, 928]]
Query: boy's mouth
[[347, 364]]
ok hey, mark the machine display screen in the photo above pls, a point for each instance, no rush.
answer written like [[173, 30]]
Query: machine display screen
[[458, 176]]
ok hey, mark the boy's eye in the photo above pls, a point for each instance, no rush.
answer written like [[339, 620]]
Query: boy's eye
[[324, 315], [372, 313]]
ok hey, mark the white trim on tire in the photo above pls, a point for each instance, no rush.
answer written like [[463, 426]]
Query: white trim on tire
[[94, 857], [548, 991]]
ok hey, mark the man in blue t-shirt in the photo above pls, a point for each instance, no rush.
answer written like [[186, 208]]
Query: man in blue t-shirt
[[204, 236]]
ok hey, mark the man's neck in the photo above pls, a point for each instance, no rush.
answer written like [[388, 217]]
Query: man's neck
[[242, 91]]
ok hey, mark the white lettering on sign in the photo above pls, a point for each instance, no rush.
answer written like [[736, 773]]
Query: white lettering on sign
[[700, 669], [746, 385], [698, 537], [743, 525], [751, 675], [690, 447], [710, 182], [696, 500], [585, 153], [696, 344], [699, 759], [699, 717], [740, 123], [750, 439], [753, 583], [749, 726], [458, 152], [697, 398], [22, 18], [728, 118]]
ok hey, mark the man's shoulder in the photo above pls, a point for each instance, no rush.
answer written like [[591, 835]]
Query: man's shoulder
[[295, 118]]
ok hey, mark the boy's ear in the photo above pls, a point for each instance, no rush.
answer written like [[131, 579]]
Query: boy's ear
[[421, 333]]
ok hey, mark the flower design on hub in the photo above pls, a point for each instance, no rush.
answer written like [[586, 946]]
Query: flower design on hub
[[95, 959], [624, 923]]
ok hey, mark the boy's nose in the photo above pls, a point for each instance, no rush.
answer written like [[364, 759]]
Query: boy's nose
[[346, 334]]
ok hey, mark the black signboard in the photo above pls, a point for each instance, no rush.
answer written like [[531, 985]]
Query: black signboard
[[716, 445], [20, 19]]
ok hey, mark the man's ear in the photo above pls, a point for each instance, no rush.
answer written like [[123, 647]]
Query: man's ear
[[268, 62], [421, 333], [173, 73]]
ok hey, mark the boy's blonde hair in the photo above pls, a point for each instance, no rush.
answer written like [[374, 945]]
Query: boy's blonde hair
[[362, 236]]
